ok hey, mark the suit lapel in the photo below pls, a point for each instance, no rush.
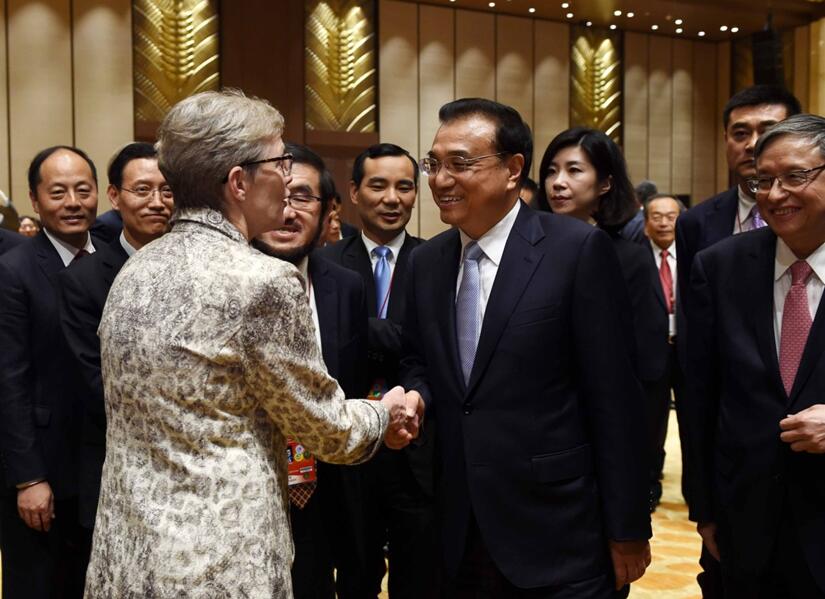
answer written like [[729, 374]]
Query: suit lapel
[[326, 302], [719, 222], [47, 257], [518, 263], [444, 285], [660, 294], [395, 309], [811, 354], [113, 258], [357, 259], [761, 301]]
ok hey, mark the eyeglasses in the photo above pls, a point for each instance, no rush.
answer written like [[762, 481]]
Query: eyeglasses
[[284, 163], [455, 165], [792, 181], [144, 192], [302, 201]]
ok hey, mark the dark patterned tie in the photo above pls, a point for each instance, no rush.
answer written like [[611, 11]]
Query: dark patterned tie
[[796, 324], [79, 256]]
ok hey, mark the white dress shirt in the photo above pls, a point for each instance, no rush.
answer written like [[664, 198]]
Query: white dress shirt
[[671, 261], [66, 251], [492, 244], [394, 245], [744, 218], [127, 247], [782, 283], [303, 266]]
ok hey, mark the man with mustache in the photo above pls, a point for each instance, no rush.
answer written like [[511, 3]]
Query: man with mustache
[[400, 483]]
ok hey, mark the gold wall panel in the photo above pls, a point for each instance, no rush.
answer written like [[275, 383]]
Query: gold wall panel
[[742, 61], [596, 81], [175, 53], [340, 90]]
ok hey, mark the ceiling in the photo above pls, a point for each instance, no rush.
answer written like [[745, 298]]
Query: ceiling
[[739, 18]]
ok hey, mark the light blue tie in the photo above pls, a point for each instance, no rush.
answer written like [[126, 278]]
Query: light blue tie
[[468, 309], [383, 276]]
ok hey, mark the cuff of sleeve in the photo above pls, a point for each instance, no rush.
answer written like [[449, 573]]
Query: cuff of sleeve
[[29, 483], [383, 416]]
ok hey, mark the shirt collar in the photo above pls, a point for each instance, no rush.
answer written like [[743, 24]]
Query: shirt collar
[[127, 247], [785, 258], [746, 204], [66, 251], [493, 241], [303, 267], [671, 249], [394, 245]]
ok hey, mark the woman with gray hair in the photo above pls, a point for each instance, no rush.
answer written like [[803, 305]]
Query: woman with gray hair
[[209, 362]]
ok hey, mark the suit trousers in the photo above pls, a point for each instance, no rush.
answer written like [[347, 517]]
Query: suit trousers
[[403, 517], [478, 577], [658, 410], [43, 565]]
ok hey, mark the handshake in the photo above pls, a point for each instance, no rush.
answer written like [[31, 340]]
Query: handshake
[[406, 416]]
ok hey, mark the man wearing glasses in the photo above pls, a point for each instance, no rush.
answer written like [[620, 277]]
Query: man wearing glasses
[[515, 339], [756, 417], [328, 516], [139, 193]]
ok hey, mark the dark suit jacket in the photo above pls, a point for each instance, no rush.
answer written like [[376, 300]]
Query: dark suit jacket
[[40, 409], [347, 230], [385, 334], [107, 226], [544, 446], [9, 239], [84, 287], [746, 478]]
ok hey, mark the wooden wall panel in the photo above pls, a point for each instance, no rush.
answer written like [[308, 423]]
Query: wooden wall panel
[[682, 143], [5, 181], [514, 64], [551, 86], [706, 135], [103, 98], [636, 104], [40, 80], [436, 88], [398, 79], [660, 116], [723, 91], [801, 59], [475, 54]]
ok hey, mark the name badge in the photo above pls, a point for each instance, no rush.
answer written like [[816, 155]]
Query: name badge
[[301, 466], [377, 390]]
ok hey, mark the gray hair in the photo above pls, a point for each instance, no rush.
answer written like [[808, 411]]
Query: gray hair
[[809, 127], [205, 135]]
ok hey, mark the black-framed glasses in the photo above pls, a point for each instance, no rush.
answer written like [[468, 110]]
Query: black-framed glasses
[[284, 163], [793, 181], [144, 192], [302, 201], [455, 165]]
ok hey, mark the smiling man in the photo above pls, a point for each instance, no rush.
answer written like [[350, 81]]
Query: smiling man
[[515, 339], [40, 399], [756, 418]]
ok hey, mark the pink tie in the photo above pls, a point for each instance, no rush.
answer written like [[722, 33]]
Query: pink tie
[[796, 324]]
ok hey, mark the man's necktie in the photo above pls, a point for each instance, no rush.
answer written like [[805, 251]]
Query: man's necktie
[[299, 494], [82, 253], [383, 276], [468, 309], [666, 278], [757, 222], [796, 324]]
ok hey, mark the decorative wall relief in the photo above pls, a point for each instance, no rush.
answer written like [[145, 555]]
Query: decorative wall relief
[[175, 54], [340, 90], [596, 81]]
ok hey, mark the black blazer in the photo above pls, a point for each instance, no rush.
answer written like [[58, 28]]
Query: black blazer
[[544, 446], [40, 409], [8, 240], [107, 226], [746, 478], [384, 342], [84, 287]]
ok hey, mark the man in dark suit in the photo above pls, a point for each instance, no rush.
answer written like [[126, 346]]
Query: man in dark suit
[[107, 226], [328, 527], [515, 337], [756, 370], [745, 117], [40, 408], [660, 215], [9, 239], [139, 193], [400, 483]]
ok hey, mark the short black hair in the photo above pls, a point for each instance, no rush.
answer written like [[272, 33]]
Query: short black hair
[[132, 151], [34, 166], [303, 155], [618, 205], [513, 135], [662, 196], [646, 190], [380, 151], [757, 95], [530, 185]]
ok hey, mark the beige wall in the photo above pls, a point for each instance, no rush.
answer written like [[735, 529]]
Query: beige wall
[[69, 70]]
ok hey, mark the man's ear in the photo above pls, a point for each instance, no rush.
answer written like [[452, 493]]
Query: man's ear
[[35, 203], [353, 193], [114, 196], [515, 165]]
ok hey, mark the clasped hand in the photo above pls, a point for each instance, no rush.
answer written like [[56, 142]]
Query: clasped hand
[[406, 416]]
